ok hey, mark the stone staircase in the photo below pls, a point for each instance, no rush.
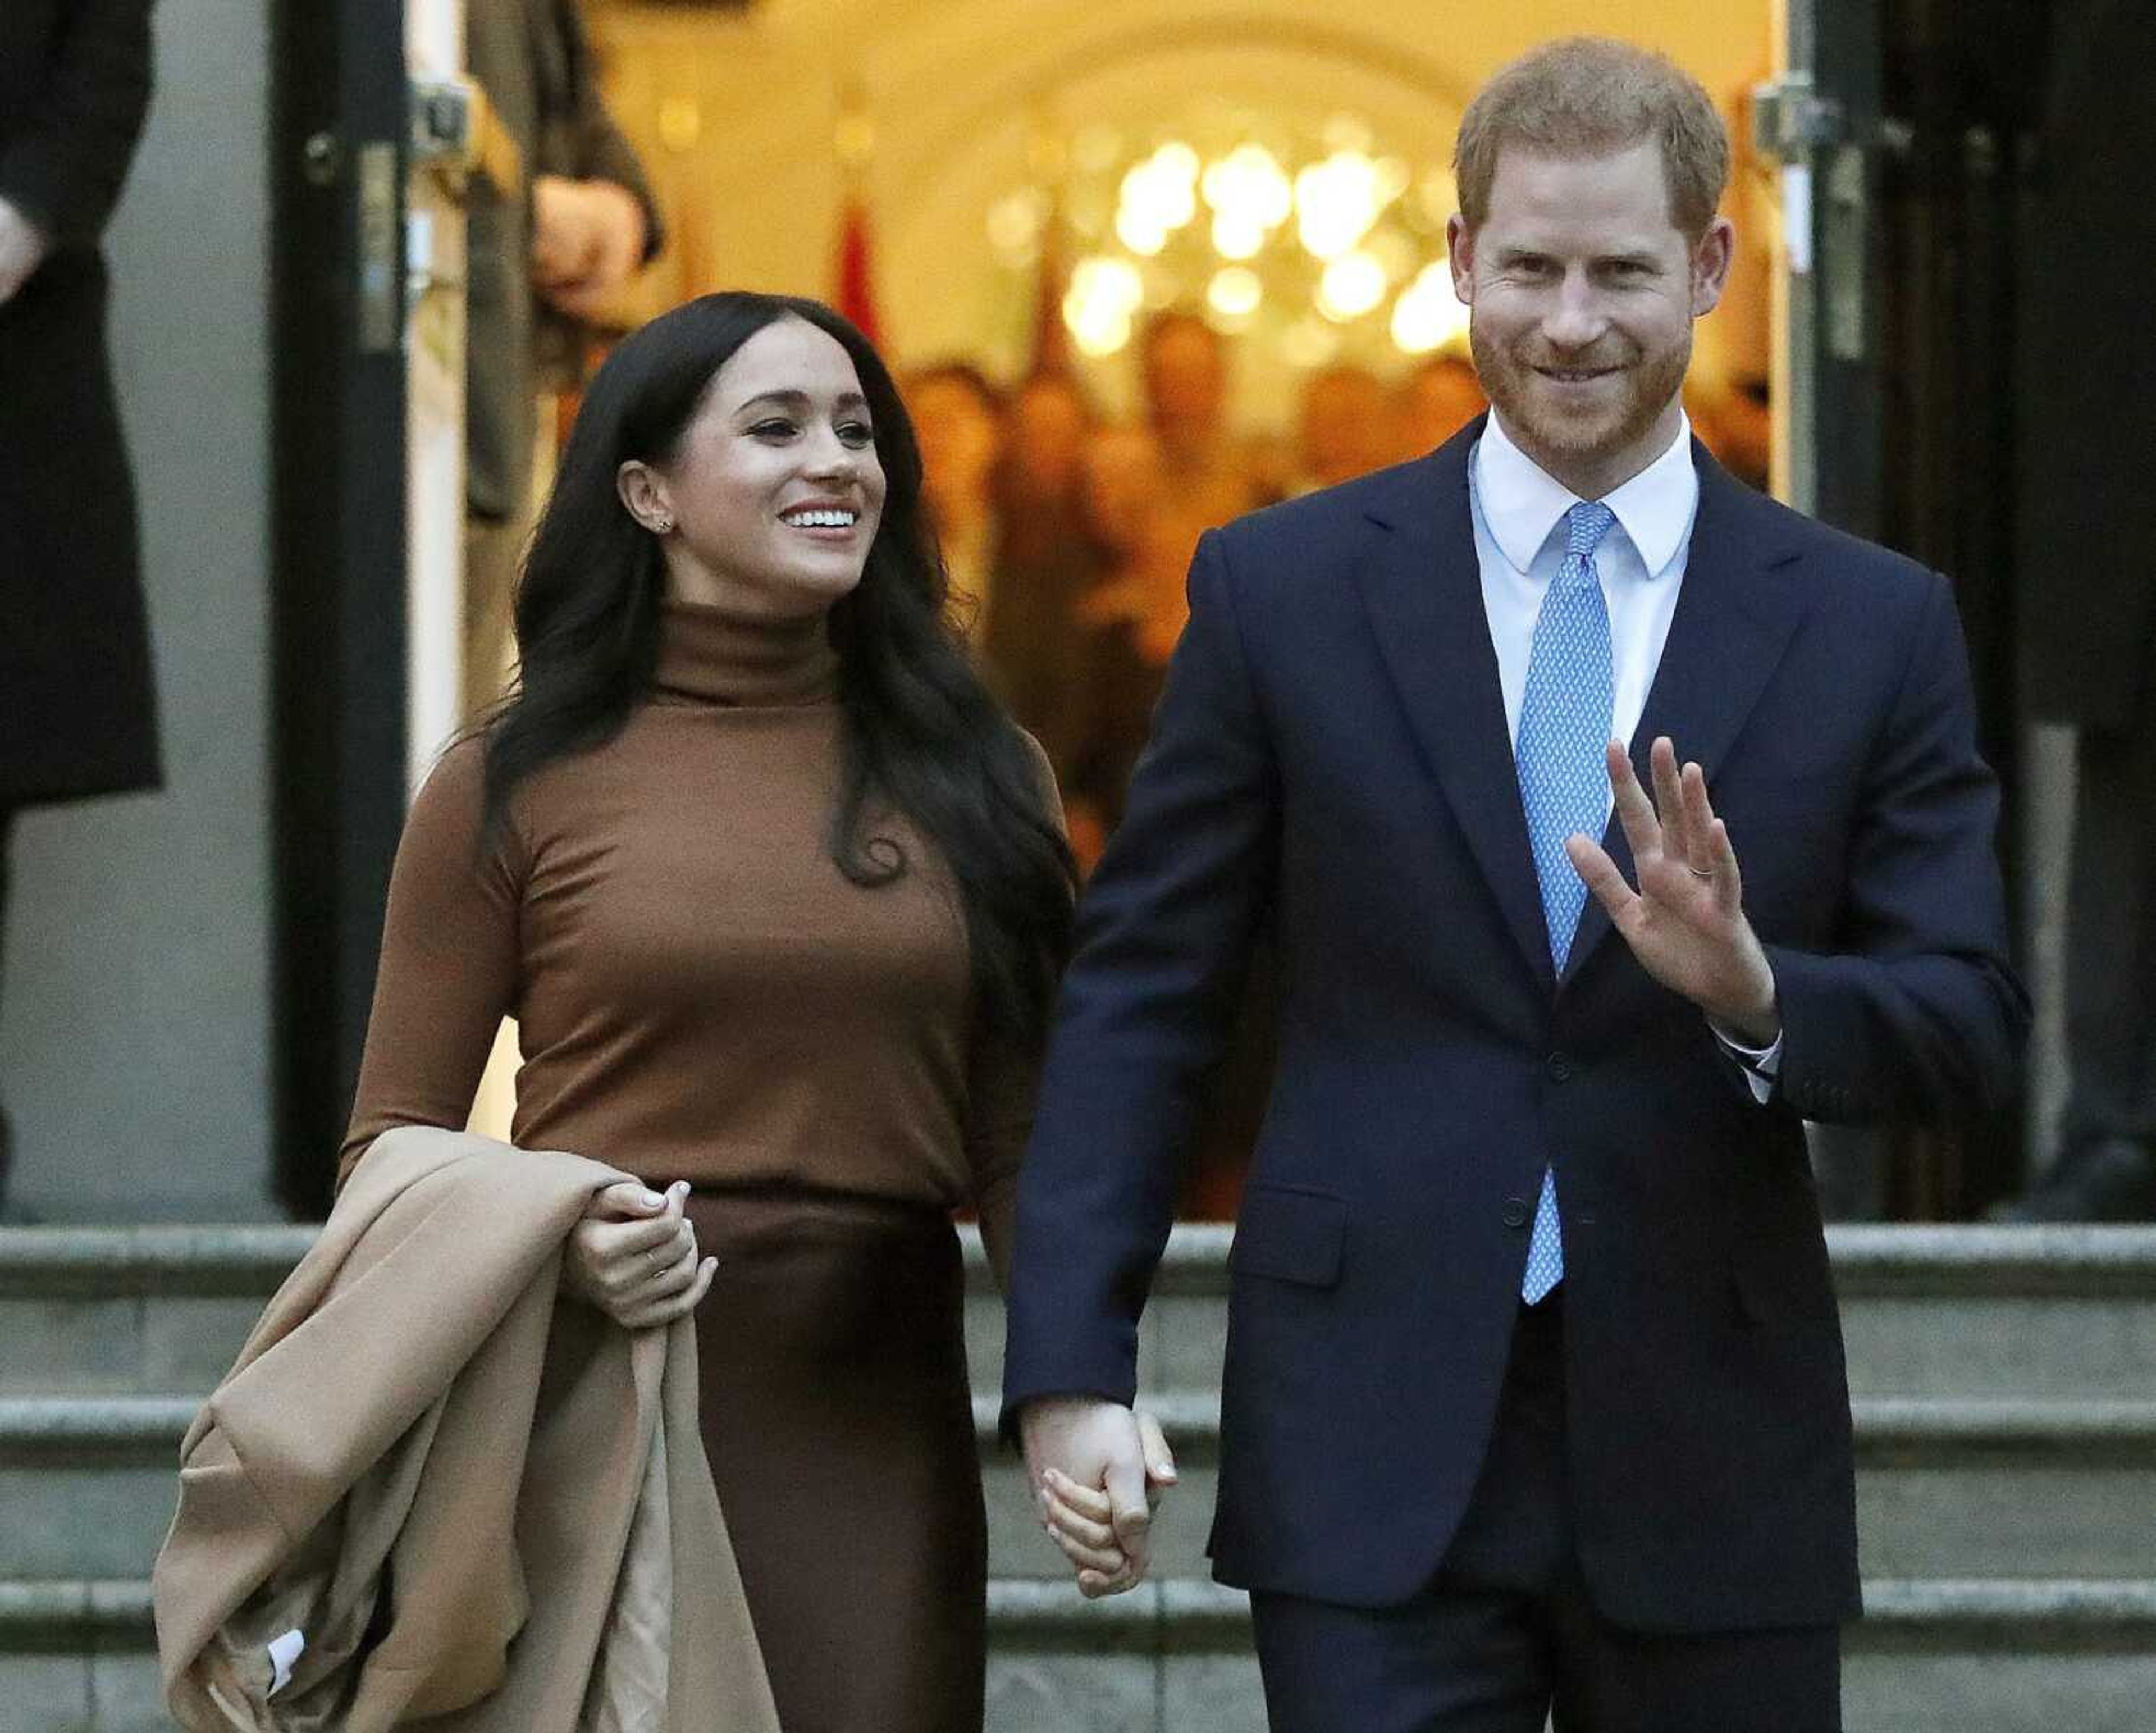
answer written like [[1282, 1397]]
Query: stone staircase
[[2003, 1382]]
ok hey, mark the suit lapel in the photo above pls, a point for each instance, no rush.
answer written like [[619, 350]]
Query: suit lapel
[[1733, 619], [1422, 588]]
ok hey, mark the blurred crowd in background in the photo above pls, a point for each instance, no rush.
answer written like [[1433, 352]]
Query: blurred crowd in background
[[1068, 536]]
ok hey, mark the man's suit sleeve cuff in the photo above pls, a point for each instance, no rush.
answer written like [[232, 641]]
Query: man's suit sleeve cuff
[[1762, 1065], [1007, 1422]]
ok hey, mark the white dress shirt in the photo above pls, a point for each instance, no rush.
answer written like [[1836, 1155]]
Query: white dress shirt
[[1520, 542]]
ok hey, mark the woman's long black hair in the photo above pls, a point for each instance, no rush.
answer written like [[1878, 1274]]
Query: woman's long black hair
[[921, 735]]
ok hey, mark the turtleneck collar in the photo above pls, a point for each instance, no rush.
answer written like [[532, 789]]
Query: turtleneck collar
[[711, 656]]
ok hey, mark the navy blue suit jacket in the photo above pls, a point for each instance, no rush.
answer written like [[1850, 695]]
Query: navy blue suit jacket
[[1331, 758]]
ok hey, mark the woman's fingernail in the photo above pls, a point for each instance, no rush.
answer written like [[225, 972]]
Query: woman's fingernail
[[653, 1200]]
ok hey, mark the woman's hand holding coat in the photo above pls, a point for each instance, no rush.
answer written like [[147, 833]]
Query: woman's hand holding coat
[[633, 1257]]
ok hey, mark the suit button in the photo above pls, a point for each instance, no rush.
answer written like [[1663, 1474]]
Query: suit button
[[1516, 1213], [1559, 1066]]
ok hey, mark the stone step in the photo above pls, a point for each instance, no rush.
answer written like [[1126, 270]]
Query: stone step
[[88, 1484], [1946, 1488], [1174, 1657], [2057, 1312], [2006, 1448], [1965, 1311], [87, 1311]]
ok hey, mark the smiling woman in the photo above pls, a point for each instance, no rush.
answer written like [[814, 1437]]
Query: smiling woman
[[778, 894], [773, 498]]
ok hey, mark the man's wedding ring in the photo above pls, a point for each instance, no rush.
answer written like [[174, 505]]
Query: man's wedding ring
[[1699, 871]]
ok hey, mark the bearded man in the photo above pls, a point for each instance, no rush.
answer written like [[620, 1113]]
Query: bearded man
[[1609, 821]]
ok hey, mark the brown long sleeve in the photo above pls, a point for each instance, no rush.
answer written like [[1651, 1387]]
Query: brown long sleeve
[[448, 966], [700, 993]]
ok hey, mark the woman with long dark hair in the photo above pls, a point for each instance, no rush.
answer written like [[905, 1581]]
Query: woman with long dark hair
[[779, 896]]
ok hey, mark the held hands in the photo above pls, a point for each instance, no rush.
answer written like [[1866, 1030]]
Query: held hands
[[587, 240], [1685, 923], [633, 1257], [23, 249], [1098, 1471]]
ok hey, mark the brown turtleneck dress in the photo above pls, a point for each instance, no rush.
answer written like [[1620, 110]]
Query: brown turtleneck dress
[[701, 994]]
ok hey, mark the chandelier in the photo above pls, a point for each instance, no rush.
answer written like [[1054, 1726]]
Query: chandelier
[[1319, 245]]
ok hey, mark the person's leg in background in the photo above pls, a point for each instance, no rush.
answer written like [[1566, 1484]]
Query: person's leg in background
[[2106, 1170], [6, 1125]]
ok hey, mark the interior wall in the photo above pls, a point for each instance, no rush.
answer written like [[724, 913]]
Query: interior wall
[[134, 1012], [736, 112]]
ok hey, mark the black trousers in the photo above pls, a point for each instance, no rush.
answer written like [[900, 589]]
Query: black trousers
[[2111, 938], [1506, 1634], [7, 1127]]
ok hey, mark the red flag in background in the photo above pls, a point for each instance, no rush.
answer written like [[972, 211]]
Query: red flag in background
[[853, 293], [1051, 336]]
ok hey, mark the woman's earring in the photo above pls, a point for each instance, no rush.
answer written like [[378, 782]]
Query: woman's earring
[[663, 527]]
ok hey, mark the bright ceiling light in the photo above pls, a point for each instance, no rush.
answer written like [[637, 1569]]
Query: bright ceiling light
[[1141, 236], [1159, 197], [1104, 293], [1352, 284], [1335, 202], [1249, 185], [1235, 238], [1235, 292], [1428, 314]]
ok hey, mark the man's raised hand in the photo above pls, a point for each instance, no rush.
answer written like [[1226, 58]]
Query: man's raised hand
[[1686, 923]]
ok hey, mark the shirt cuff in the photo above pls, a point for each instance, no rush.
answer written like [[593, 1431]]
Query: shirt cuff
[[1762, 1065]]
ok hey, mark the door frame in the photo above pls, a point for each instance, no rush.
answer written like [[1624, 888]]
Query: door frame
[[1827, 135], [340, 150]]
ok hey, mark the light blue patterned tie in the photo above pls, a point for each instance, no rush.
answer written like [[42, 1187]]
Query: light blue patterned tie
[[1564, 784]]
